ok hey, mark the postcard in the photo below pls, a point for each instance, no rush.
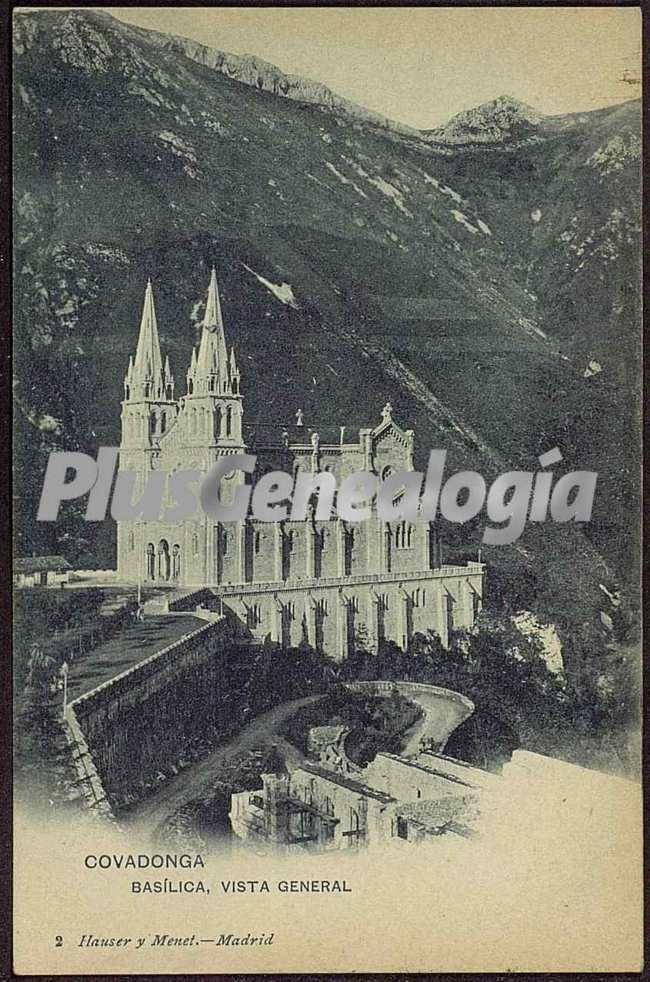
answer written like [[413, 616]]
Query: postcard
[[327, 456]]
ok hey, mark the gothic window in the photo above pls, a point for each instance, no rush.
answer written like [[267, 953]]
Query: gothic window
[[195, 545], [235, 386], [321, 608], [152, 423], [169, 393], [176, 562], [127, 391], [147, 390], [190, 386], [151, 561], [224, 543], [217, 423], [163, 422], [131, 540], [164, 568], [404, 536], [348, 551], [253, 616], [229, 421], [257, 542]]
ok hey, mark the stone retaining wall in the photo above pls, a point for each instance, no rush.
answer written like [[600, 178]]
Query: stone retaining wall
[[146, 723]]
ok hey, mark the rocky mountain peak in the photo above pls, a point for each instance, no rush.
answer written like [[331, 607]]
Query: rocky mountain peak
[[503, 118]]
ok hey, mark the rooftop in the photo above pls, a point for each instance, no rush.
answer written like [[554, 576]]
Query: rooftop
[[41, 564], [345, 782]]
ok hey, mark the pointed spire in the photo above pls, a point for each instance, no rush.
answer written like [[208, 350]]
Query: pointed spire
[[213, 316], [148, 360], [212, 357]]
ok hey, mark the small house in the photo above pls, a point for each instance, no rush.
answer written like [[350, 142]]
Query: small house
[[41, 571]]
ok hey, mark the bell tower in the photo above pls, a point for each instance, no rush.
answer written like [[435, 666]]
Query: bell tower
[[213, 403], [148, 408]]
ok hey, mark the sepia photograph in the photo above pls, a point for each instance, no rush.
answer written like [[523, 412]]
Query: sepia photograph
[[327, 393]]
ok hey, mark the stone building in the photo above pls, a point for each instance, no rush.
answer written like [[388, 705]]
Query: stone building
[[323, 582], [393, 800]]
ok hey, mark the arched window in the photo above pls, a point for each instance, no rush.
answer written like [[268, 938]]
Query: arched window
[[229, 421], [176, 562], [217, 423], [152, 423], [403, 536], [164, 568], [163, 422], [151, 561]]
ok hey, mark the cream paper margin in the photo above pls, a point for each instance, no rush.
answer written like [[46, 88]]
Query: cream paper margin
[[541, 890]]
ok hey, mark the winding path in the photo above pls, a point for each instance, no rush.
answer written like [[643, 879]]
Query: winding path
[[443, 711], [148, 814]]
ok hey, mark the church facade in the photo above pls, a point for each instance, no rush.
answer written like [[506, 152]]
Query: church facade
[[329, 583]]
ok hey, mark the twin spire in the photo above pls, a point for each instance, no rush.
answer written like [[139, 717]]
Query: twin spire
[[146, 378], [211, 371]]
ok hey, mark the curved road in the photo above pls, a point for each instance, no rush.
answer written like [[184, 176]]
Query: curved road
[[443, 712], [188, 784]]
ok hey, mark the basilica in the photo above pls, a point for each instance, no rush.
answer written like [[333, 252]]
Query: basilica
[[327, 583]]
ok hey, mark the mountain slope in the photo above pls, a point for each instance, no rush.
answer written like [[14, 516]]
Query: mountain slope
[[357, 264]]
